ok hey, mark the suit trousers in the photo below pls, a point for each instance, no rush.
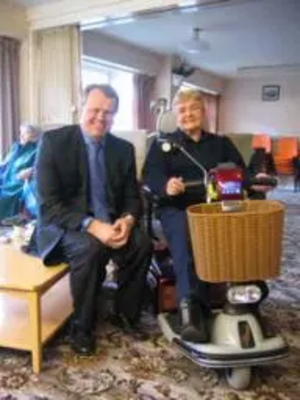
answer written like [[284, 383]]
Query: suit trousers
[[88, 257]]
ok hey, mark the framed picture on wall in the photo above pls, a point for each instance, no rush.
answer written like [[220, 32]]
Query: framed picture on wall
[[270, 93]]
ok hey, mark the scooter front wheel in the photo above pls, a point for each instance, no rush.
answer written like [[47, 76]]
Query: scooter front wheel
[[239, 378]]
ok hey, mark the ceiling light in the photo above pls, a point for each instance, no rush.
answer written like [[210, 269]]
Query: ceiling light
[[196, 44]]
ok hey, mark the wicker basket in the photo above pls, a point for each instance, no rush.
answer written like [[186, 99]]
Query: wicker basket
[[237, 246]]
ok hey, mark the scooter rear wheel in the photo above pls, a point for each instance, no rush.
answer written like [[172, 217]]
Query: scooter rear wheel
[[239, 378]]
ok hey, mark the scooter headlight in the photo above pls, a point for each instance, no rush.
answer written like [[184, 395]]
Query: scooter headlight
[[244, 294]]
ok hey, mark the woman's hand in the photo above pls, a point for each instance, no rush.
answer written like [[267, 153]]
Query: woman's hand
[[175, 186]]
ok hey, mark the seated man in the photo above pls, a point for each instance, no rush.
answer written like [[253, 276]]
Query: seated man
[[16, 170], [89, 206], [166, 174]]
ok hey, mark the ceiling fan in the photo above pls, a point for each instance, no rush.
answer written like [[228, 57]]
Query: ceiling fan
[[182, 67], [196, 44]]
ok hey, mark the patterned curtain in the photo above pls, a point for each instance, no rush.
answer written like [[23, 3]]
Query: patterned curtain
[[211, 103], [144, 87], [56, 77], [9, 92]]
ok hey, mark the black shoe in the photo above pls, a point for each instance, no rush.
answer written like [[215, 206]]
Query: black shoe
[[129, 327], [81, 342], [194, 323]]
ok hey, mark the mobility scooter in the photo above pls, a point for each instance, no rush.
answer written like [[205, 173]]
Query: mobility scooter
[[239, 242]]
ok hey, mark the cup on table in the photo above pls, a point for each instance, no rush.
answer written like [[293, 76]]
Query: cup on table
[[18, 235]]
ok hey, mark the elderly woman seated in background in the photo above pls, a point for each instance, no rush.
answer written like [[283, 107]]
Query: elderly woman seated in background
[[16, 172]]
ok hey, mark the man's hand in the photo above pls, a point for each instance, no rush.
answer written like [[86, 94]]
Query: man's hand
[[122, 227], [175, 186], [101, 230], [261, 188], [112, 235], [25, 174]]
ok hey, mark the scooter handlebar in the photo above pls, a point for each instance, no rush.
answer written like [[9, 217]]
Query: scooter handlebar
[[263, 181], [195, 183]]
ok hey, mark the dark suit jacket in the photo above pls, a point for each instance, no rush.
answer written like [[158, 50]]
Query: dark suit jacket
[[63, 185]]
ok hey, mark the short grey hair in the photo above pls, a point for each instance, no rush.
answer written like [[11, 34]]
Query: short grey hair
[[188, 94], [34, 130]]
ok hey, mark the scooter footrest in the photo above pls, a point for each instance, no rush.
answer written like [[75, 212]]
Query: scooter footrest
[[222, 360]]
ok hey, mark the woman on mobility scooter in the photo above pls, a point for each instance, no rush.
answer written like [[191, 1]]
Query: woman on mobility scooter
[[166, 173], [233, 242]]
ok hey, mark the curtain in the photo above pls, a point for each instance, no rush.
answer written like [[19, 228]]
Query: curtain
[[143, 96], [9, 92], [56, 75], [211, 104]]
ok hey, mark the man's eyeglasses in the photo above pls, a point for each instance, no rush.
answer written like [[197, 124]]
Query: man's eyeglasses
[[105, 113]]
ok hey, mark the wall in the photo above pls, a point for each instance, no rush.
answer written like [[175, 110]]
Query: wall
[[97, 45], [87, 11], [94, 44], [13, 22], [75, 11], [242, 109], [207, 81]]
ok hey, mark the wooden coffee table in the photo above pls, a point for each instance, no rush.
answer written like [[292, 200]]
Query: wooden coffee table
[[35, 301]]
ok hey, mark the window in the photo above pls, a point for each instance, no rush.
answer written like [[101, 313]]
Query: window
[[121, 80]]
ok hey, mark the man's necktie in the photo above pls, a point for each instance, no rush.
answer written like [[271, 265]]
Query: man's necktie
[[97, 181]]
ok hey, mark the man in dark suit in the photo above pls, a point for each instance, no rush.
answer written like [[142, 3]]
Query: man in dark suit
[[89, 206]]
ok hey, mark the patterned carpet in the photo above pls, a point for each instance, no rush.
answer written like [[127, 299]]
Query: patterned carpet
[[153, 370]]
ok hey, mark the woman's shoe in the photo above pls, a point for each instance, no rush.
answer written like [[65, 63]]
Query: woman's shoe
[[193, 322]]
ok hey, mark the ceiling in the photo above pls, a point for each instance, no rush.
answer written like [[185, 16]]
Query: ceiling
[[244, 35]]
